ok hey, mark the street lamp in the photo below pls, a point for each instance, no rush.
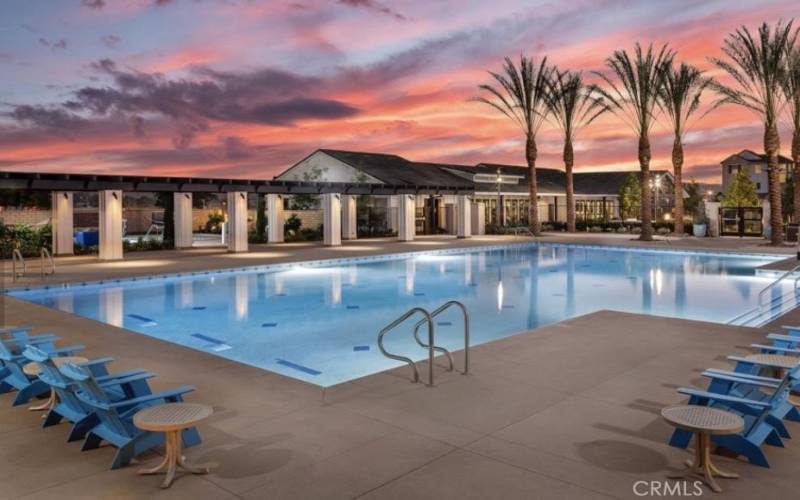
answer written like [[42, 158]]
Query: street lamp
[[656, 184], [499, 199]]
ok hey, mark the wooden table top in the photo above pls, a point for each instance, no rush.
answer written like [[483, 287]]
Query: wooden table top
[[33, 370], [703, 419], [171, 416], [787, 362]]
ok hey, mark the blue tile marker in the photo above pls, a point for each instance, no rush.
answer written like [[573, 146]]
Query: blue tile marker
[[217, 343], [269, 325], [144, 319], [419, 294], [358, 348], [353, 307], [297, 367], [198, 308], [444, 323]]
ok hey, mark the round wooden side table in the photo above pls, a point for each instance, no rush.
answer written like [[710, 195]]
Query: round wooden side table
[[704, 422], [32, 370], [171, 419]]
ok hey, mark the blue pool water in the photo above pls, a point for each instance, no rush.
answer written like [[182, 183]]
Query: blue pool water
[[319, 322]]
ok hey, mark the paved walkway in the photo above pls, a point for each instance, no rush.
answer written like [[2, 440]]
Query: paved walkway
[[566, 411]]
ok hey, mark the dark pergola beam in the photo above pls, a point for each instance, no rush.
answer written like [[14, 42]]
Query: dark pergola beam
[[83, 182]]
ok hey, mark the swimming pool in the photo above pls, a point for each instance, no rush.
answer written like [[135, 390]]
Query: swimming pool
[[319, 321]]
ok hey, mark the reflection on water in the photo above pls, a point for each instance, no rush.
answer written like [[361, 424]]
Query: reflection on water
[[325, 320]]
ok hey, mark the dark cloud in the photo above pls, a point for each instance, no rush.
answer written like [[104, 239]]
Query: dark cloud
[[110, 41], [53, 44], [373, 6], [161, 3], [94, 4], [267, 96], [52, 118], [236, 148]]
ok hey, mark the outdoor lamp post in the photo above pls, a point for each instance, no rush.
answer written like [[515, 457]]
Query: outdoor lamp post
[[656, 184], [499, 200]]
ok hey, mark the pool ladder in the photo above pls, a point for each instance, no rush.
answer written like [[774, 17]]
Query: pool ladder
[[427, 318], [758, 310]]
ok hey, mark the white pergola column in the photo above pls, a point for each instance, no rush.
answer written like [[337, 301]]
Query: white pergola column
[[463, 217], [237, 221], [110, 224], [478, 218], [349, 223], [332, 219], [406, 214], [274, 218], [183, 219], [61, 221]]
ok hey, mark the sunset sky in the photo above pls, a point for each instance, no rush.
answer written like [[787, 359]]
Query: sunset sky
[[238, 88]]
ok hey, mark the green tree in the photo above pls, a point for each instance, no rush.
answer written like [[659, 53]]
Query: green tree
[[308, 201], [630, 197], [679, 98], [522, 96], [633, 97], [757, 66], [791, 87], [694, 199], [741, 191], [261, 220], [573, 105]]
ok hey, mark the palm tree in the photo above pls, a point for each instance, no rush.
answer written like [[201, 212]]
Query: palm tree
[[757, 67], [521, 95], [679, 98], [791, 89], [573, 105], [633, 98]]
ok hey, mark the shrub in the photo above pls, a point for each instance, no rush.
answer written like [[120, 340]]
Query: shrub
[[292, 224], [214, 222], [30, 240], [622, 229], [636, 230], [663, 231], [595, 229]]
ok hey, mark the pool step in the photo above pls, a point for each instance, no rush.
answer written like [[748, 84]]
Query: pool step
[[773, 309]]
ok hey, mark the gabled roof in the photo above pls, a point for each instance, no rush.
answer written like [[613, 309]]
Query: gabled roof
[[393, 169], [548, 180], [753, 157]]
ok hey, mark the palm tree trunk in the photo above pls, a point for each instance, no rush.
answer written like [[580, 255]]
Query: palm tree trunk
[[772, 144], [677, 169], [533, 210], [796, 161], [644, 165], [569, 161]]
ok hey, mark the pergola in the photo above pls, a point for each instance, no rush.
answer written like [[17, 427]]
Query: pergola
[[338, 205]]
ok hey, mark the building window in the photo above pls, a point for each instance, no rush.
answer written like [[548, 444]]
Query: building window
[[758, 186], [757, 169], [592, 210]]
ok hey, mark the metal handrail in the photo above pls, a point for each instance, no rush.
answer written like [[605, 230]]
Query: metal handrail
[[435, 313], [16, 259], [776, 282], [397, 357], [47, 257]]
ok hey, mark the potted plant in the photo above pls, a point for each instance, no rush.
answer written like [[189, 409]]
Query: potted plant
[[700, 223]]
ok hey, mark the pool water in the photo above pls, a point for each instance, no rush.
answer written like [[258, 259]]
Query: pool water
[[319, 322]]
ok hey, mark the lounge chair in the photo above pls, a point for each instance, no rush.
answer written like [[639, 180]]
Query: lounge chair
[[756, 414], [12, 375], [129, 384], [115, 419]]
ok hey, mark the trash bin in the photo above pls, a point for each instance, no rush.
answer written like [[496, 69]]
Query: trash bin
[[791, 232]]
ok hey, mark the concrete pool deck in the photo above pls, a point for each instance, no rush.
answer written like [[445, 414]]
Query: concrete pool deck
[[569, 410]]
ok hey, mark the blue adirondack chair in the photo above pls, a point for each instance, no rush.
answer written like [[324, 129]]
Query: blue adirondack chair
[[13, 377], [16, 340], [787, 345], [115, 419], [119, 386], [757, 416]]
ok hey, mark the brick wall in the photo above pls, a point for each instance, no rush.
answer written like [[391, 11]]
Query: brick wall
[[311, 219], [31, 216]]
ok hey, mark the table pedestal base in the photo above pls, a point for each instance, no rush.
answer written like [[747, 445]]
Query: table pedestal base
[[702, 467], [47, 405], [173, 459]]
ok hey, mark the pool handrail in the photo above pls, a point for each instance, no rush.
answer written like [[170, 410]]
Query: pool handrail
[[47, 258], [17, 259], [776, 282], [447, 353], [391, 326]]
